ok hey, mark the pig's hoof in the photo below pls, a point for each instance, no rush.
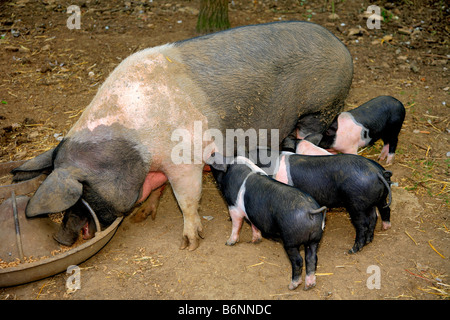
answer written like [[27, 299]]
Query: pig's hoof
[[141, 213], [386, 225], [231, 242], [294, 284], [353, 250], [389, 161], [306, 288], [138, 217], [191, 237], [256, 241], [153, 214], [190, 244], [310, 282]]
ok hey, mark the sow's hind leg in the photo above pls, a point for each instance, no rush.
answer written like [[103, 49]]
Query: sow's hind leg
[[149, 206], [186, 182]]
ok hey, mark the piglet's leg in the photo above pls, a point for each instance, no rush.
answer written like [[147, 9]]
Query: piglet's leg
[[358, 221], [237, 218], [385, 213], [390, 140], [297, 265], [390, 158], [256, 234], [311, 264], [371, 223], [384, 152]]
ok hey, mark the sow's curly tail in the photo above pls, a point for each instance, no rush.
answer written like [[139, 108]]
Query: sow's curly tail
[[324, 209], [385, 178], [318, 210]]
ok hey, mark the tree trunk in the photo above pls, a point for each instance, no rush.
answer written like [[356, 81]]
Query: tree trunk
[[213, 16]]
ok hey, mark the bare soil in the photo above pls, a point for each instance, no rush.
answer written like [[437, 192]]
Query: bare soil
[[49, 74]]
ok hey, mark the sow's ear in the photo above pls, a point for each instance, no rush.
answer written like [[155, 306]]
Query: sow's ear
[[34, 167], [59, 191]]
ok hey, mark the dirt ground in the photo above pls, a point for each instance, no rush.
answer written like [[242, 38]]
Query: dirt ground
[[49, 74]]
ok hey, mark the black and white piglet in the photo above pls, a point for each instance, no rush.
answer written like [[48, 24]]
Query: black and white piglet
[[274, 210], [379, 118], [344, 180]]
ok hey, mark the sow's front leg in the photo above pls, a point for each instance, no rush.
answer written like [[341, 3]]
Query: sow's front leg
[[186, 182]]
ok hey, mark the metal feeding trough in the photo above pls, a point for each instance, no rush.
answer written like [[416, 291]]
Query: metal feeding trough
[[21, 238]]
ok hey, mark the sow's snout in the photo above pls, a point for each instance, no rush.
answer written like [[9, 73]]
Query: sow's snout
[[76, 219]]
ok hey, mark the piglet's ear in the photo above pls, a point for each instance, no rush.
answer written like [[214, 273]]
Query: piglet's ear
[[217, 161], [314, 138], [59, 191]]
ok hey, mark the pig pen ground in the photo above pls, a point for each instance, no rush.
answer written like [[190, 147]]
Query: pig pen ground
[[49, 74]]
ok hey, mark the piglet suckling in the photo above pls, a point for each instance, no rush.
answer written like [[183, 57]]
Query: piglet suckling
[[379, 118], [351, 181], [274, 209]]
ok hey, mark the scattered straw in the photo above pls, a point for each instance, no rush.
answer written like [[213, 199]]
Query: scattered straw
[[263, 261], [445, 186], [51, 281], [437, 291], [153, 261], [432, 247], [411, 237], [283, 294], [428, 151], [418, 276], [256, 264]]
